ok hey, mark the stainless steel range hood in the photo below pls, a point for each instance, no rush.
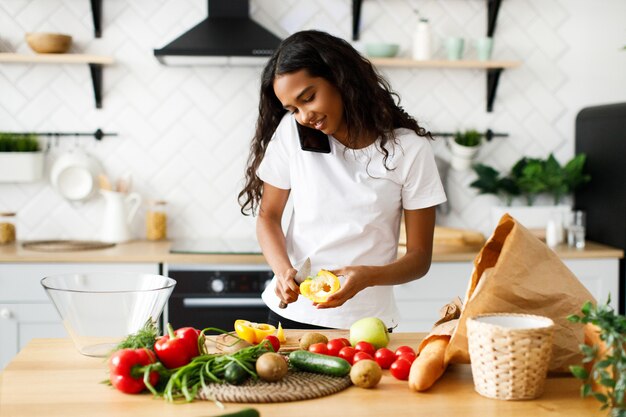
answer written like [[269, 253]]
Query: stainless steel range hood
[[227, 36]]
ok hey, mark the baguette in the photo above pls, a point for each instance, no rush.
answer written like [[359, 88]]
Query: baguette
[[429, 365]]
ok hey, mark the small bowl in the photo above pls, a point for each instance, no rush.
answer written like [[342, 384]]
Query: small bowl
[[100, 309], [382, 50], [49, 43]]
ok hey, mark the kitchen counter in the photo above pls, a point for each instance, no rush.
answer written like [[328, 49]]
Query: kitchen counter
[[50, 378], [158, 252]]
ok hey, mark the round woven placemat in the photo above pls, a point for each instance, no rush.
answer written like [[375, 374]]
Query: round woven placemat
[[295, 386], [65, 245]]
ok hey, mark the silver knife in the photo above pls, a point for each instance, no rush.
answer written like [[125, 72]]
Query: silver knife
[[302, 274]]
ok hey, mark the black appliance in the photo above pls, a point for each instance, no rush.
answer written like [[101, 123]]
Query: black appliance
[[228, 31], [217, 295], [601, 135]]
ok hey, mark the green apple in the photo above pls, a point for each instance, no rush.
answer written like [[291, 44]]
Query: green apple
[[369, 329]]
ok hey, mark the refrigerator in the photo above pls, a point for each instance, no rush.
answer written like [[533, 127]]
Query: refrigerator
[[601, 135]]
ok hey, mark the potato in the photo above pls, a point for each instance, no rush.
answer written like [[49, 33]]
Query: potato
[[310, 338], [271, 367], [366, 373]]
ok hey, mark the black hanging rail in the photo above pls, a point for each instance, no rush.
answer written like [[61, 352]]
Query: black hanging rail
[[98, 134], [489, 134]]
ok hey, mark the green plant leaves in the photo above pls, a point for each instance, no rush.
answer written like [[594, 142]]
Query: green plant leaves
[[579, 372], [10, 142]]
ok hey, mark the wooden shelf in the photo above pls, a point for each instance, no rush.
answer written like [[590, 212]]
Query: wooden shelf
[[462, 64], [494, 69], [95, 62]]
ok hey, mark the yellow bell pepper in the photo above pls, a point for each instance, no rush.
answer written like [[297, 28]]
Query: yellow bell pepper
[[280, 334], [319, 287], [253, 332]]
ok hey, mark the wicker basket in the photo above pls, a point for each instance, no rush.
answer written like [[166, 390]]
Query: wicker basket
[[510, 354]]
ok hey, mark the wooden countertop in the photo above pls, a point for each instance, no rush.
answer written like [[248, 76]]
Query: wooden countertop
[[50, 378], [158, 252]]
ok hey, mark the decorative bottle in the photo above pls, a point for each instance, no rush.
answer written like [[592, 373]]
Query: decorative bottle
[[421, 41]]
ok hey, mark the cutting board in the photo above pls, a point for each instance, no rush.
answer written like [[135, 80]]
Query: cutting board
[[450, 236]]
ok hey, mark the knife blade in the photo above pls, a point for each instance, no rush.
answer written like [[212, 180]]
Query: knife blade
[[302, 274]]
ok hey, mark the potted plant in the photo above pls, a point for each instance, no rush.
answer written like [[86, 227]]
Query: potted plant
[[464, 146], [21, 159], [603, 369], [528, 179]]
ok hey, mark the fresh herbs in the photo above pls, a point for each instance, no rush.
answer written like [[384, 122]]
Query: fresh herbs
[[530, 177], [604, 375], [144, 338], [469, 138], [10, 142]]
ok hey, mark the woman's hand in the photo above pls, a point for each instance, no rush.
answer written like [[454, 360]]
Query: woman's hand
[[356, 278], [286, 288]]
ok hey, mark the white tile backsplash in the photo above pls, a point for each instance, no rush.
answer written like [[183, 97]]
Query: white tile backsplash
[[184, 132]]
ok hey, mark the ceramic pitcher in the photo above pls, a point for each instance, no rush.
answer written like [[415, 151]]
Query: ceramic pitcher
[[119, 211]]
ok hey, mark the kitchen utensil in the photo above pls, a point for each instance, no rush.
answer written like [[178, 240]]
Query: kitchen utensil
[[510, 354], [104, 183], [124, 183], [119, 211], [99, 309], [49, 43], [301, 275], [73, 175]]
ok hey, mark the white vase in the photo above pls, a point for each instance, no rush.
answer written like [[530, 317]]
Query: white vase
[[462, 156], [21, 166]]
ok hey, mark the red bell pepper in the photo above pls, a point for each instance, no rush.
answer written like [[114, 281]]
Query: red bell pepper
[[177, 348], [126, 373]]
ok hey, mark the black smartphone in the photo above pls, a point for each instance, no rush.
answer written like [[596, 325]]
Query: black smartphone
[[313, 140]]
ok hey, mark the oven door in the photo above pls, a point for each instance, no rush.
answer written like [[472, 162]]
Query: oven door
[[217, 295]]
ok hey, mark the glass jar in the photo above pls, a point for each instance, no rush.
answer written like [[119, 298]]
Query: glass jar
[[156, 220], [7, 228]]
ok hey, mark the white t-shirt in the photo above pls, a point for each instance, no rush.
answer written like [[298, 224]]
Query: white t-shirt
[[347, 210]]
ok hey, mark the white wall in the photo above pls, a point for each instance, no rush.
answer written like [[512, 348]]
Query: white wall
[[184, 132]]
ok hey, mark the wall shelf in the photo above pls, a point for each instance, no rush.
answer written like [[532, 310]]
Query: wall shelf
[[494, 69], [95, 62]]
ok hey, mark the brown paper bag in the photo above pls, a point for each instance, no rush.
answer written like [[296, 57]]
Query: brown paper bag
[[515, 272]]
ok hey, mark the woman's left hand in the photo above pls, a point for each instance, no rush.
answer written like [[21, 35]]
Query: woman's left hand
[[355, 280]]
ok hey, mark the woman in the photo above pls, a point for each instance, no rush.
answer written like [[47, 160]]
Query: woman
[[372, 163]]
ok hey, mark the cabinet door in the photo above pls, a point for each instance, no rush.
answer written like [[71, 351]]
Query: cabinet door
[[419, 301], [599, 276]]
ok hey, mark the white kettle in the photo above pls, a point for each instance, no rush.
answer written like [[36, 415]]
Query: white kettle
[[119, 211]]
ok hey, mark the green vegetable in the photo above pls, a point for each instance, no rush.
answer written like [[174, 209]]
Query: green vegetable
[[320, 364], [144, 338], [235, 374], [246, 412]]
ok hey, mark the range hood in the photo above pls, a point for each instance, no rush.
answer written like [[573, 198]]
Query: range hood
[[227, 36]]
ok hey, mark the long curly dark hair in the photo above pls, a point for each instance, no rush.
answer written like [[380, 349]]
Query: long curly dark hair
[[370, 107]]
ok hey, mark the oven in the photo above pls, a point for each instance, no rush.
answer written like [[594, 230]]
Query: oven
[[217, 295]]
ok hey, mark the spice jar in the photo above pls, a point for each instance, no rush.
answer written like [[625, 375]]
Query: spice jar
[[7, 228], [156, 220]]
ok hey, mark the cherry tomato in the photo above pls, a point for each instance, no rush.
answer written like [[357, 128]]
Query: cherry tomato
[[403, 349], [274, 341], [345, 341], [360, 355], [334, 346], [385, 357], [366, 347], [319, 348], [408, 356], [400, 369], [347, 353]]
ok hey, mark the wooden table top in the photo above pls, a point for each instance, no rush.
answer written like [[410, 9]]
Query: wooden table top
[[50, 378]]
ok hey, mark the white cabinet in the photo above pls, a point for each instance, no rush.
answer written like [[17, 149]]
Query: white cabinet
[[26, 311], [419, 301]]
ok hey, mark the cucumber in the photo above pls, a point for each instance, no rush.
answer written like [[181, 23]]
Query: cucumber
[[319, 364], [235, 374], [246, 412]]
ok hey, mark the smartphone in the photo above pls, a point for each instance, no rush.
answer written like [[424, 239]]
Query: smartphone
[[313, 140]]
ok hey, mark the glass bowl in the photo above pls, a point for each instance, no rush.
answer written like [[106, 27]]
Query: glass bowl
[[99, 309]]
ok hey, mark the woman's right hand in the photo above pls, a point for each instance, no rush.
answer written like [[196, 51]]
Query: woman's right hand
[[286, 287]]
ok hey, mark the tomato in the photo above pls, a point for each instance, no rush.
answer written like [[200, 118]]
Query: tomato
[[274, 341], [408, 356], [360, 355], [334, 346], [400, 369], [385, 357], [366, 347], [403, 349], [345, 341], [319, 348], [347, 353]]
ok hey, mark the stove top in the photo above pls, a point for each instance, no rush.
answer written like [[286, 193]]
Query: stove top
[[216, 246]]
